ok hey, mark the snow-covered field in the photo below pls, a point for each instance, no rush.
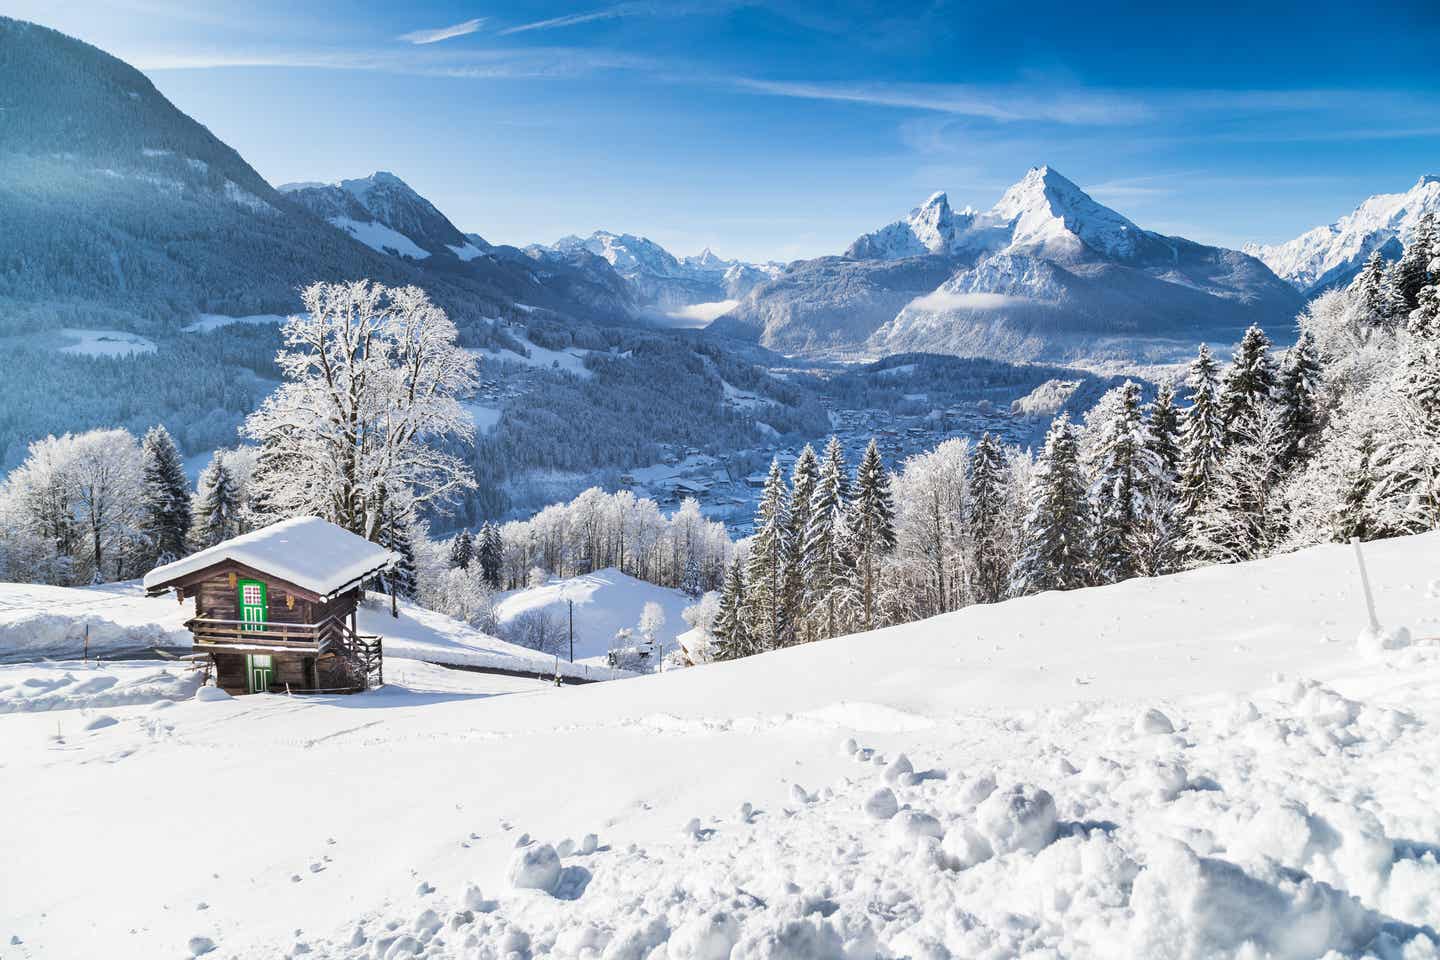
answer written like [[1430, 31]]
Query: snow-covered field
[[606, 601], [1202, 765], [570, 361], [214, 321], [104, 343]]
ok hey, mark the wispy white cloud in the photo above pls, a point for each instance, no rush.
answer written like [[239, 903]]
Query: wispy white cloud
[[570, 20], [443, 33], [994, 103], [478, 64], [942, 301]]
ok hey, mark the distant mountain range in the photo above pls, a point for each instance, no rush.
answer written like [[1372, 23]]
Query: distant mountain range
[[1047, 273], [1331, 255], [145, 220], [121, 211], [662, 280]]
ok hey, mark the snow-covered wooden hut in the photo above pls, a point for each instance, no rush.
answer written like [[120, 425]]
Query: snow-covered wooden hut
[[275, 608]]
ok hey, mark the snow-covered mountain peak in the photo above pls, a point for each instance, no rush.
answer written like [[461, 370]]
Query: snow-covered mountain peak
[[1045, 208], [385, 213], [1043, 211], [1330, 255]]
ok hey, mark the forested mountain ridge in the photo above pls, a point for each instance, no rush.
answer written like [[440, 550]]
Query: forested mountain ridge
[[122, 211]]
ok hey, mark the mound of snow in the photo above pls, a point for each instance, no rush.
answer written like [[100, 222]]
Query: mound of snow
[[605, 602], [44, 621], [73, 685]]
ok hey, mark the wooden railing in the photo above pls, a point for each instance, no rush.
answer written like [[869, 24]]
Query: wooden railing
[[301, 636], [364, 651]]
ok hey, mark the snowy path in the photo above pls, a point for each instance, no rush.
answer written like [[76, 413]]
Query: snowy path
[[1275, 811]]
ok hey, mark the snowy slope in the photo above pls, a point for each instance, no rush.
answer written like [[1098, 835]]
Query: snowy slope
[[605, 601], [43, 621], [1047, 273], [1117, 772], [1330, 255]]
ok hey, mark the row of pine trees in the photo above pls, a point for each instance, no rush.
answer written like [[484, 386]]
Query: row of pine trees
[[1229, 470]]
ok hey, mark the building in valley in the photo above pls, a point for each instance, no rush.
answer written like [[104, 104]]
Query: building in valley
[[276, 608]]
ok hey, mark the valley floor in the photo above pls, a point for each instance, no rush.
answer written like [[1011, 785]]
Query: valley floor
[[1200, 765]]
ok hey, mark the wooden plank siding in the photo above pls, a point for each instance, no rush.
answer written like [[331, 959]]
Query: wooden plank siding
[[216, 598]]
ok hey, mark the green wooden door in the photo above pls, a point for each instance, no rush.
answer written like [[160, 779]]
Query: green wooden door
[[259, 672], [250, 596]]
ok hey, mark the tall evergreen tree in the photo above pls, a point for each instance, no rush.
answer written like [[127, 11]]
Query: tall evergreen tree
[[1297, 394], [769, 555], [690, 578], [732, 637], [165, 503], [462, 551], [822, 556], [1355, 518], [1054, 553], [985, 518], [1162, 420], [216, 516], [1374, 290], [1240, 520], [1249, 383], [803, 480], [395, 534], [1120, 473], [1202, 435], [872, 523], [1156, 551], [490, 554], [1413, 271]]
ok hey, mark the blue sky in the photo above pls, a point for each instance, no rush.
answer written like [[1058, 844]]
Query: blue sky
[[781, 130]]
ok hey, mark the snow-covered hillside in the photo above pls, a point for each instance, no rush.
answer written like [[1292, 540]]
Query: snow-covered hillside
[[1046, 273], [604, 602], [1203, 765], [1331, 255]]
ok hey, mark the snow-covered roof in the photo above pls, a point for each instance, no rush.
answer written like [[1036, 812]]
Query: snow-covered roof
[[311, 553]]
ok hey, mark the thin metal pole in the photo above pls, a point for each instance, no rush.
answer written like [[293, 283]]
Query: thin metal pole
[[1365, 586], [572, 629]]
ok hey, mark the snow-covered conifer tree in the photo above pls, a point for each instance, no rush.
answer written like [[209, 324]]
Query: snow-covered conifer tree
[[872, 523], [462, 551], [985, 521], [490, 554], [732, 636], [1055, 540], [1248, 384], [165, 503], [1120, 468], [822, 558], [1202, 435], [769, 555], [1416, 269], [1242, 519], [803, 480], [1297, 395], [1374, 290], [216, 513], [1158, 532]]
